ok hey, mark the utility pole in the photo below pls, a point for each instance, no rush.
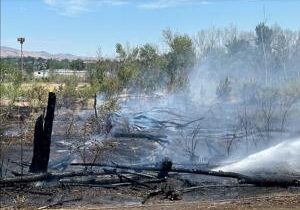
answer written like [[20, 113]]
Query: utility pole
[[21, 40]]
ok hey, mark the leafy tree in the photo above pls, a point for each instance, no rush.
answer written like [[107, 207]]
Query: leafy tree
[[57, 64], [181, 58], [77, 64], [237, 45], [152, 68], [264, 35], [129, 69], [120, 51], [263, 40], [10, 73]]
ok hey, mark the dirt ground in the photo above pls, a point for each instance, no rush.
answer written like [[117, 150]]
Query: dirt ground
[[42, 195], [275, 202], [53, 195]]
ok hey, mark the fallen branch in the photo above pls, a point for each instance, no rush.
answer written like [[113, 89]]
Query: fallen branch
[[44, 176], [135, 182], [243, 179], [112, 185], [269, 182], [178, 170], [142, 136]]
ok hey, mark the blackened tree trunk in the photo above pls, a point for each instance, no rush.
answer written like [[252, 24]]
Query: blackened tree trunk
[[166, 167], [42, 138], [95, 106], [38, 137]]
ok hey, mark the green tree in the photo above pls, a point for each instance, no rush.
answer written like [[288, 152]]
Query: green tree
[[237, 45], [264, 35], [181, 58], [129, 68], [152, 68], [77, 64]]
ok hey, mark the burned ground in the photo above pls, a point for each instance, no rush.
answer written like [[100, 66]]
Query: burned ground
[[137, 139]]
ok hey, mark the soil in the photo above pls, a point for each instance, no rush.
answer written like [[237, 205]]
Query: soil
[[55, 195], [131, 198]]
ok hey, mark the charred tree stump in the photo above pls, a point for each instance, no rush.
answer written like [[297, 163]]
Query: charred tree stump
[[166, 166], [42, 138], [38, 137]]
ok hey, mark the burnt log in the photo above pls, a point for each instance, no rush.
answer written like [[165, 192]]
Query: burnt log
[[178, 170], [243, 179], [42, 138], [45, 176], [166, 166], [271, 181]]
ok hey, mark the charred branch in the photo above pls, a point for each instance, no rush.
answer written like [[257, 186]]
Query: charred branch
[[242, 178], [156, 138]]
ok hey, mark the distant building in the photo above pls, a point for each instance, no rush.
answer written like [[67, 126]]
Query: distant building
[[41, 74], [63, 72]]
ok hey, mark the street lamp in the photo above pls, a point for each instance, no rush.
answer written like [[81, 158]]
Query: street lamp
[[21, 40]]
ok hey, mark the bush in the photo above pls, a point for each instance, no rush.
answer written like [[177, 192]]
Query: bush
[[67, 94], [37, 95]]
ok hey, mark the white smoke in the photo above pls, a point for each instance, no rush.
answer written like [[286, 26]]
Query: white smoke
[[283, 158]]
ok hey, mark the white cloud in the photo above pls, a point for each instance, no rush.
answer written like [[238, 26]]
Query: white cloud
[[161, 4], [50, 2], [77, 7], [113, 2]]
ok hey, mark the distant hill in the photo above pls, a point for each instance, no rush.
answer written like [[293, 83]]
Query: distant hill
[[12, 52]]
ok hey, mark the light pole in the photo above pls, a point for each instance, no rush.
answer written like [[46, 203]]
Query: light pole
[[21, 40]]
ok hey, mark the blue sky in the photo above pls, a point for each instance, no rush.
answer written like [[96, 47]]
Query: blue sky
[[82, 26]]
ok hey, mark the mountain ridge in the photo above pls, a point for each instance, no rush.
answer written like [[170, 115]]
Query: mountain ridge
[[7, 52]]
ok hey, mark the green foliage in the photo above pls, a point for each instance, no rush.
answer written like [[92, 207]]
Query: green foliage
[[181, 58], [237, 45], [264, 35], [152, 68], [11, 92], [57, 64], [67, 93], [104, 77], [37, 95], [108, 107], [144, 69], [128, 73], [77, 64], [105, 111], [10, 79], [10, 73], [120, 51]]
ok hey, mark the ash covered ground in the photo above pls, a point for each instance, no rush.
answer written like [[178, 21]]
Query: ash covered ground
[[142, 132]]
